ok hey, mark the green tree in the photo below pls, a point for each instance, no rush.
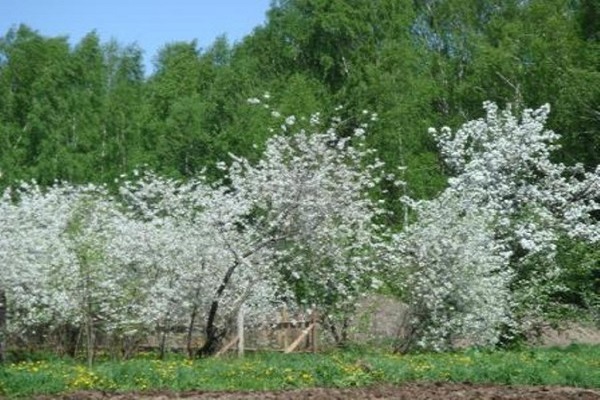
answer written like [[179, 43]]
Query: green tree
[[523, 53], [34, 78], [178, 92], [124, 109]]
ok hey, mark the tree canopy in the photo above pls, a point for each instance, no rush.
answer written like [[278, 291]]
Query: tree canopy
[[87, 114]]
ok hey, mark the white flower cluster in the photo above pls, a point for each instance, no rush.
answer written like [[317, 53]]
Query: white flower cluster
[[506, 198], [457, 280], [310, 194], [164, 253], [300, 226], [502, 165]]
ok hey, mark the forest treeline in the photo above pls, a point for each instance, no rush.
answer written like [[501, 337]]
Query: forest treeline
[[89, 112]]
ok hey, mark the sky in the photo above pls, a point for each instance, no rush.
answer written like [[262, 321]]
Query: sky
[[149, 23]]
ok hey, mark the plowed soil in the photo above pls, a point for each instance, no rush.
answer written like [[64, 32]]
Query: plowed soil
[[462, 391]]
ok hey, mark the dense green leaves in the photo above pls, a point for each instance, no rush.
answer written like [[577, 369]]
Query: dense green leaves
[[65, 111], [87, 112]]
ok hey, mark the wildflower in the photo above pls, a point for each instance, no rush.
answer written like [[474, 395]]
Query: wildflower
[[291, 120]]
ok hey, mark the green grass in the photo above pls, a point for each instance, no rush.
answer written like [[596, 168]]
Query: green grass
[[576, 365]]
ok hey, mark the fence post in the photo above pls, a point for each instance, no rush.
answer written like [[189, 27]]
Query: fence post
[[286, 327], [315, 334], [2, 325], [240, 331]]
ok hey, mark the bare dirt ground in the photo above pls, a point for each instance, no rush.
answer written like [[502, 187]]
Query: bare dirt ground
[[462, 391]]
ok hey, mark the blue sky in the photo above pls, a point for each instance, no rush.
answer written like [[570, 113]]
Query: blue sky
[[149, 23]]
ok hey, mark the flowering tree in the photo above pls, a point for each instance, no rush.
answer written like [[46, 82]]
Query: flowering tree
[[22, 254], [85, 278], [198, 256], [53, 246], [297, 225], [455, 276], [310, 197], [504, 165], [515, 198], [31, 223]]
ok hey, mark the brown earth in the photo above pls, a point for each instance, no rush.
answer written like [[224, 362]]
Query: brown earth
[[415, 391]]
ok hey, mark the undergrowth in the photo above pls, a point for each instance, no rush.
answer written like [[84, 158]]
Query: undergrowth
[[576, 365]]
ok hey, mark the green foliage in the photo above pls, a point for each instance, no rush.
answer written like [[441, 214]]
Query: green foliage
[[524, 53], [59, 117], [87, 113], [576, 365], [580, 289]]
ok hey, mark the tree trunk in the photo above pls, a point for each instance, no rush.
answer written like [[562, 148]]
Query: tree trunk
[[334, 332], [163, 345], [68, 339], [340, 336], [90, 343], [2, 325], [190, 331], [214, 335]]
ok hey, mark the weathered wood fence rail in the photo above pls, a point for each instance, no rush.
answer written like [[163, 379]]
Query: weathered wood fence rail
[[288, 338]]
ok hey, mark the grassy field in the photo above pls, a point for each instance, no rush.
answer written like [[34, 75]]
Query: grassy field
[[576, 365]]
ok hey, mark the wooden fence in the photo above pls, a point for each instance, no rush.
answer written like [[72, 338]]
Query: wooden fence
[[288, 337]]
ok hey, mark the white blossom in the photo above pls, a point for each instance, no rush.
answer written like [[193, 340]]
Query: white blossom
[[290, 120], [506, 196]]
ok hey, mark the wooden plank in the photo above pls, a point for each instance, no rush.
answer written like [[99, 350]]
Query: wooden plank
[[292, 324], [240, 331], [315, 333], [298, 340], [227, 347], [286, 332]]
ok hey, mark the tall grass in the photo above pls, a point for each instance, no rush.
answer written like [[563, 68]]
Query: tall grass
[[577, 365]]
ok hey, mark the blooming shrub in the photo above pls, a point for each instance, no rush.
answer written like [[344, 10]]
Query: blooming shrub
[[301, 226], [495, 227], [297, 226]]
